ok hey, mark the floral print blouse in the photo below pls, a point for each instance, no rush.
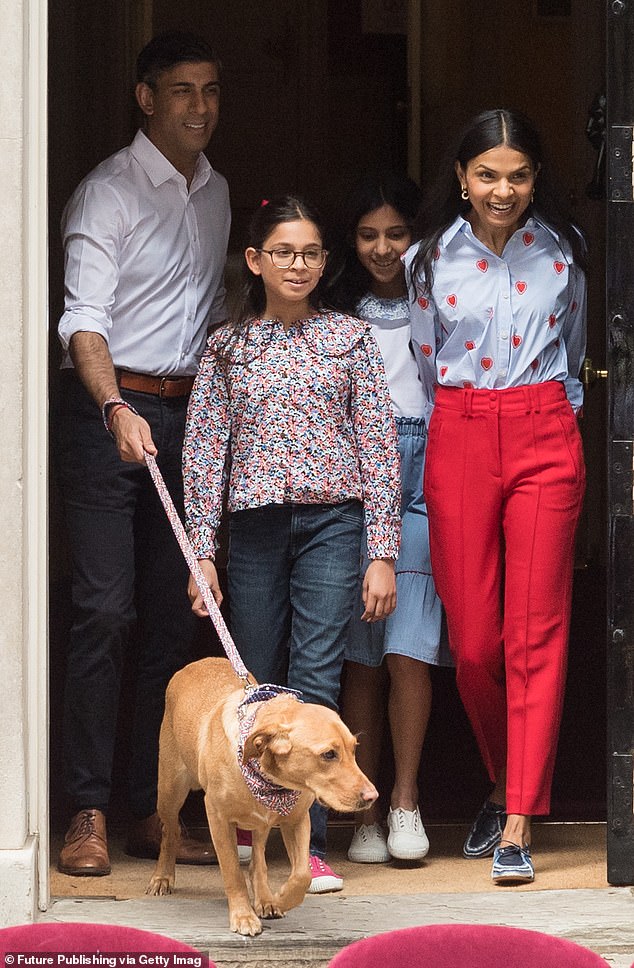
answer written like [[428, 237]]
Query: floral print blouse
[[301, 415]]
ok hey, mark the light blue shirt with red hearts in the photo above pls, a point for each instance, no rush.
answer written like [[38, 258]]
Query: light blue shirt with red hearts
[[492, 322]]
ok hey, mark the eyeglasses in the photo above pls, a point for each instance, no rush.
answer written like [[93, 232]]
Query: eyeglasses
[[285, 258]]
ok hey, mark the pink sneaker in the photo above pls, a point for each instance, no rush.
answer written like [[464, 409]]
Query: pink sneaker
[[324, 880], [244, 845]]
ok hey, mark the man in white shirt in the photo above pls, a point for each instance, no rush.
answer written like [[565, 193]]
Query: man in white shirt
[[145, 238]]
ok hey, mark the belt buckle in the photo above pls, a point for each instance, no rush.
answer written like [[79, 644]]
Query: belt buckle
[[162, 385]]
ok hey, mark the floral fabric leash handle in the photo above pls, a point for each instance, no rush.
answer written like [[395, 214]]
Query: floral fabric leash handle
[[179, 531]]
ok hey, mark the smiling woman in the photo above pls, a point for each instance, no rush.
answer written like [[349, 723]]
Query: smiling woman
[[499, 184], [498, 300]]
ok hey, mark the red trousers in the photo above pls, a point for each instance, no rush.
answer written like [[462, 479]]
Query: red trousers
[[504, 484]]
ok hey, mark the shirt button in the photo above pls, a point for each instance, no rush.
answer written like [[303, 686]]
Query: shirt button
[[504, 334], [506, 296]]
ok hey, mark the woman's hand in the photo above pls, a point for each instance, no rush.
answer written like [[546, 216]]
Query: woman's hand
[[211, 577], [379, 590]]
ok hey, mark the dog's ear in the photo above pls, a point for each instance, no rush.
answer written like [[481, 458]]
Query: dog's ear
[[268, 738]]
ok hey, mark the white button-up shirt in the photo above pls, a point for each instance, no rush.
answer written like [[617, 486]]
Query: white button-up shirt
[[493, 322], [144, 259]]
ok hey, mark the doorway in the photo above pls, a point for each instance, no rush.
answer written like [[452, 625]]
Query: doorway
[[315, 93]]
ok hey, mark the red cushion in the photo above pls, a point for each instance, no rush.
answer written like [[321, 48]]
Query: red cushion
[[75, 937], [465, 946]]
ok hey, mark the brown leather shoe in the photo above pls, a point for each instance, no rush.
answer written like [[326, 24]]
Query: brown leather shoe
[[85, 850], [144, 840]]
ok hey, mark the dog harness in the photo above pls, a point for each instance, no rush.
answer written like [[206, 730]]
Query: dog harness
[[266, 791]]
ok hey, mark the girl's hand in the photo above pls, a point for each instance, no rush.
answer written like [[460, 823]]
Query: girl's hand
[[211, 577], [379, 590]]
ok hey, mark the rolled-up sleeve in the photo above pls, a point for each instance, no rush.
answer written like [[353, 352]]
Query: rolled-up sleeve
[[92, 231]]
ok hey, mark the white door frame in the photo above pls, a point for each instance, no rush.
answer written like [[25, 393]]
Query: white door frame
[[36, 429]]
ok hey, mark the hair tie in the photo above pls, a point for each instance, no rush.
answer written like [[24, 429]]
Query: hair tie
[[264, 202]]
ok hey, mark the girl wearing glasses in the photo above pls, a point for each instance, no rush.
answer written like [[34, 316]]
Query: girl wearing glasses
[[391, 659], [291, 406]]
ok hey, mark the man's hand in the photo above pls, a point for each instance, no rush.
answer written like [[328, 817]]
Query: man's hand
[[94, 367], [132, 435], [211, 577], [379, 590]]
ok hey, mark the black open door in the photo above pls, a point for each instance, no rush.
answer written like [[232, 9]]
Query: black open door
[[620, 358]]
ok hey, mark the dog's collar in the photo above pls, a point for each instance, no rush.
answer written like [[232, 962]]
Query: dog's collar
[[271, 794]]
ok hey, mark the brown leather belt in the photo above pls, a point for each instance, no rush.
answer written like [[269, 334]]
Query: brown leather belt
[[160, 386]]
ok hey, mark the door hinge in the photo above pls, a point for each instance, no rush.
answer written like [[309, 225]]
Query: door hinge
[[621, 163]]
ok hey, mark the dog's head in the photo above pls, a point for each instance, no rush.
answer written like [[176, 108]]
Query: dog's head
[[303, 746]]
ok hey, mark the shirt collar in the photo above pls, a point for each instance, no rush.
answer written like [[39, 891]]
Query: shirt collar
[[462, 226], [159, 169]]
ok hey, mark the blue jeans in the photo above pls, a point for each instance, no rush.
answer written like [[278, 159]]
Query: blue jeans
[[292, 577]]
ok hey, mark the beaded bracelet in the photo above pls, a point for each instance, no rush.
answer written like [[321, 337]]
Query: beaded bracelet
[[114, 402]]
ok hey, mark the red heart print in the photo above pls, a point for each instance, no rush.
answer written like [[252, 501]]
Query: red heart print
[[486, 362], [559, 267], [557, 343], [573, 306], [516, 340], [452, 299], [528, 238], [469, 344], [482, 265], [443, 371], [467, 385], [426, 348], [534, 364], [436, 253], [521, 287], [422, 302], [552, 320]]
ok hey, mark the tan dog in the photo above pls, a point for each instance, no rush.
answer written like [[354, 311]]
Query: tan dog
[[300, 746]]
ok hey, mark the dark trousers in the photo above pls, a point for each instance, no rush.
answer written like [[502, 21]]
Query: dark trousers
[[127, 567]]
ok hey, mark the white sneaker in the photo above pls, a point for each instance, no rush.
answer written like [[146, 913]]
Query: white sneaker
[[369, 845], [407, 839]]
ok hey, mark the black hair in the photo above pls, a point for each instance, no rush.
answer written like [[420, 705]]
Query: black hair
[[251, 301], [487, 130], [168, 49], [346, 280]]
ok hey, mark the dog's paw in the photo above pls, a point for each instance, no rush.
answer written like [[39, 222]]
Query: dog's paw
[[159, 885], [247, 923], [270, 909]]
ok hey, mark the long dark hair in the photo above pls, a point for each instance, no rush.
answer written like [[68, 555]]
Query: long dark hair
[[345, 279], [251, 301], [444, 203]]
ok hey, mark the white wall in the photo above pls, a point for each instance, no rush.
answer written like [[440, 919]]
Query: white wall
[[23, 713]]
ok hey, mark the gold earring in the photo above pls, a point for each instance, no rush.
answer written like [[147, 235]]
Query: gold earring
[[464, 194], [532, 196]]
